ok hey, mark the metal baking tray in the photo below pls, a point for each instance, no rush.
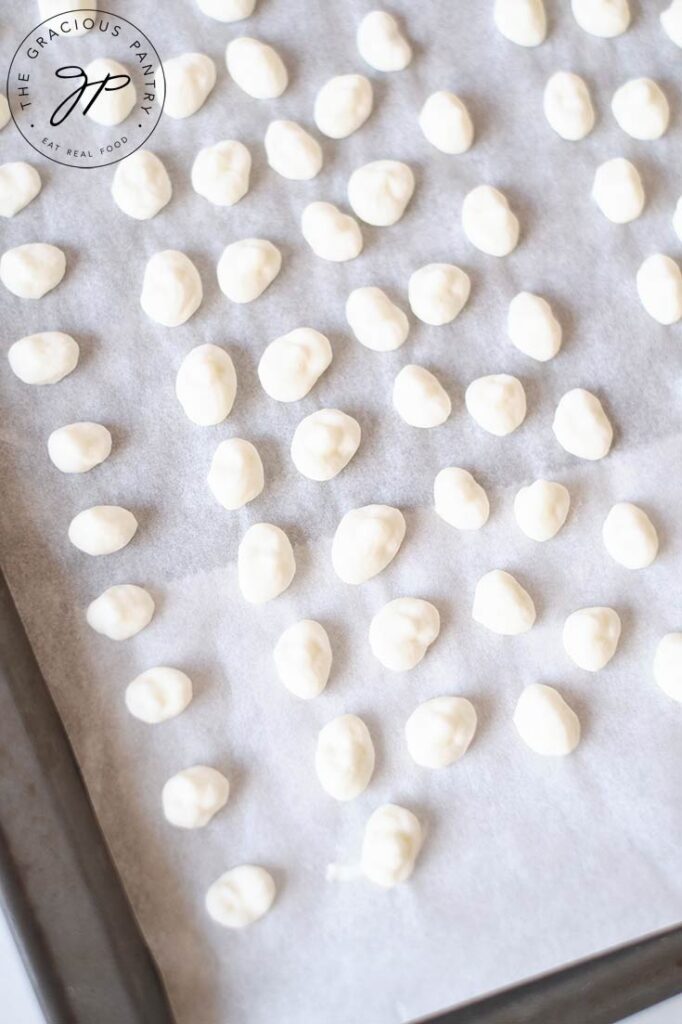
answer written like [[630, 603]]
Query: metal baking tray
[[77, 932]]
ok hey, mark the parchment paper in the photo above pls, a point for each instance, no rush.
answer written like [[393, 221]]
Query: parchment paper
[[528, 862]]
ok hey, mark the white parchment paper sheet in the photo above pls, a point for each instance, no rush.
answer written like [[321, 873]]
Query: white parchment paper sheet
[[528, 863]]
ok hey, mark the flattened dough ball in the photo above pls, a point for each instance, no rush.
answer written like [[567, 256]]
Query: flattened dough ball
[[541, 509], [379, 192], [402, 631], [141, 186], [488, 221], [236, 475], [303, 659], [344, 757], [659, 286], [44, 358], [438, 293], [265, 563], [342, 105], [460, 500], [206, 385], [291, 365], [367, 540], [502, 605], [523, 22], [375, 321], [629, 536], [247, 267], [158, 695], [331, 234], [241, 896], [121, 611], [419, 398], [545, 722], [112, 106], [190, 79], [292, 151], [324, 443], [641, 109], [195, 795], [381, 42], [228, 10], [671, 22], [497, 403], [668, 665], [568, 106], [532, 327], [171, 290], [392, 841], [102, 530], [581, 426], [256, 68], [220, 173], [79, 447], [591, 636], [31, 271], [439, 731], [19, 185], [446, 123], [618, 191], [605, 18]]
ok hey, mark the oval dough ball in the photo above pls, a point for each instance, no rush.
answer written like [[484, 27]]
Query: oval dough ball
[[344, 757], [502, 605], [171, 290], [342, 105], [581, 426], [121, 611], [521, 21], [641, 109], [659, 286], [192, 797], [446, 123], [19, 185], [568, 106], [79, 447], [241, 896], [4, 111], [668, 665], [460, 500], [379, 192], [488, 222], [381, 43], [292, 152], [141, 186], [228, 10], [31, 271], [618, 191], [402, 631], [545, 722], [532, 327], [439, 731], [103, 529], [497, 403], [541, 509], [324, 443], [375, 321], [112, 106], [52, 8], [419, 398], [605, 18], [591, 636], [392, 841], [677, 219], [331, 234], [291, 365], [671, 22], [158, 695], [190, 79], [367, 540], [206, 385], [220, 173], [44, 358], [629, 536], [246, 268], [266, 564], [236, 475], [256, 68], [303, 659], [438, 293]]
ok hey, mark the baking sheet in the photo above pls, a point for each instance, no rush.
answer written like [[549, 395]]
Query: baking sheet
[[527, 863]]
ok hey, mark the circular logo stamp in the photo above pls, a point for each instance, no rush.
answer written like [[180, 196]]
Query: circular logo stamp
[[86, 88]]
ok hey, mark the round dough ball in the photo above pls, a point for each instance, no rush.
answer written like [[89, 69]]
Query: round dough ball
[[158, 695], [5, 114], [521, 21], [605, 18], [392, 841], [659, 286], [618, 191], [641, 109], [324, 443], [545, 722], [206, 385], [668, 665], [31, 271], [236, 475], [629, 536], [171, 290], [141, 186], [488, 222], [497, 403], [44, 358], [446, 123], [439, 731], [112, 106], [381, 43], [581, 426], [419, 398], [438, 293], [190, 79], [379, 192], [192, 797], [292, 151], [19, 185], [460, 500], [532, 327], [375, 321], [241, 896], [331, 234], [402, 631], [79, 447], [53, 8], [541, 509], [228, 10], [256, 68], [220, 173], [291, 365], [265, 563], [671, 22], [121, 611], [591, 636], [342, 105], [246, 268], [303, 659], [103, 529], [568, 106], [344, 757], [502, 605], [367, 540]]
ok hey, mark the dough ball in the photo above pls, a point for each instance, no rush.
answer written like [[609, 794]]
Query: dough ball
[[392, 841], [236, 475], [659, 286], [158, 694], [303, 659], [497, 403], [438, 293], [228, 10], [220, 173], [381, 43], [641, 109], [488, 222], [541, 509], [206, 385], [292, 151], [141, 186], [521, 21], [52, 8], [190, 79], [402, 631], [265, 563], [19, 185], [240, 896], [4, 111], [342, 105], [618, 190], [344, 757], [256, 68], [375, 321], [291, 365], [121, 611], [112, 106], [171, 290], [367, 540], [460, 500], [568, 106], [668, 665], [192, 797], [532, 327], [502, 605], [581, 426], [331, 234], [31, 271], [629, 536], [44, 358], [419, 398], [591, 637], [545, 722], [103, 529], [671, 22], [324, 443], [677, 219], [439, 731], [605, 18], [79, 447], [379, 191], [246, 268]]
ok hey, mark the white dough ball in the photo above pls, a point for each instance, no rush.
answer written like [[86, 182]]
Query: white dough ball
[[256, 68], [659, 286], [158, 694], [303, 659], [171, 289], [497, 403], [521, 21], [671, 22], [236, 475], [618, 191], [541, 509], [391, 844], [141, 186], [44, 358], [103, 529], [381, 43], [291, 365], [265, 563], [342, 105], [460, 500], [331, 234], [502, 605], [568, 106], [190, 78], [402, 631], [324, 443], [677, 219], [668, 665], [581, 426], [419, 398], [19, 185], [605, 18], [241, 896], [53, 8], [367, 540], [121, 611], [629, 536], [533, 327], [439, 731], [545, 722], [79, 447], [31, 271], [438, 293], [112, 106], [488, 221], [344, 757], [446, 123], [192, 797], [379, 192], [220, 173], [641, 109], [375, 321], [591, 636], [228, 10], [206, 385], [5, 114], [292, 151], [246, 268]]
